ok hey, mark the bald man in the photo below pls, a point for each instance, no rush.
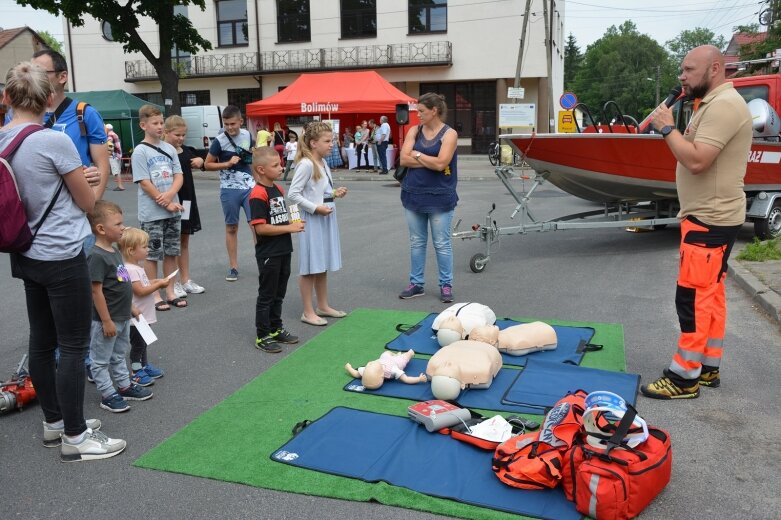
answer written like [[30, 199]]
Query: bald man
[[712, 153]]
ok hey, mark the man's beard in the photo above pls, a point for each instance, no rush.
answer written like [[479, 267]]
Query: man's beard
[[700, 90]]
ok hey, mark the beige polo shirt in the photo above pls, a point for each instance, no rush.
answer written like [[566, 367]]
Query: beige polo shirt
[[716, 195]]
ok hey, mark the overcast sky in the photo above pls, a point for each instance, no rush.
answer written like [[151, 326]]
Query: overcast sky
[[662, 20], [587, 20]]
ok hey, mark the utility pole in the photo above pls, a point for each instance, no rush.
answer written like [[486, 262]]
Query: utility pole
[[549, 58], [523, 41]]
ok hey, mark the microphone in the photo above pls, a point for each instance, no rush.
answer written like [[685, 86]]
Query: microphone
[[675, 94]]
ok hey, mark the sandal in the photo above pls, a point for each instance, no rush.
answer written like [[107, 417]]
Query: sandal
[[162, 306], [180, 303], [119, 189]]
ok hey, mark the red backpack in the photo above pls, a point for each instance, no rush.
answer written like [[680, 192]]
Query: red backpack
[[15, 233], [534, 460]]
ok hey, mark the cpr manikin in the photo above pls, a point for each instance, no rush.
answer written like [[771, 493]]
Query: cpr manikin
[[457, 321], [389, 366], [527, 338], [462, 364]]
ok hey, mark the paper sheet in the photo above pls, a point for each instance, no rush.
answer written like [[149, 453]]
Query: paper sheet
[[186, 211], [170, 276], [144, 329]]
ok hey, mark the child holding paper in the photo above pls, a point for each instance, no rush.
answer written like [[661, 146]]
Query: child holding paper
[[134, 246]]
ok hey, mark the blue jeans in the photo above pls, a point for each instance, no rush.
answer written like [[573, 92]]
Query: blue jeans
[[59, 308], [382, 149], [418, 224], [108, 357]]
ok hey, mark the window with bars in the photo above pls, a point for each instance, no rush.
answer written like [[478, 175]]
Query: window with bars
[[231, 23], [359, 18], [471, 110], [241, 96], [427, 16], [293, 22]]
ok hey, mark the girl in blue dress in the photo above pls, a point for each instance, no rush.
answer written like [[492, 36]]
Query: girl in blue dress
[[319, 250]]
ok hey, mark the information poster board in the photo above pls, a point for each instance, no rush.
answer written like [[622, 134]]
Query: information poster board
[[518, 115]]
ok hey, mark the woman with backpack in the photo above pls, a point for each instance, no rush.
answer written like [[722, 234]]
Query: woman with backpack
[[57, 284]]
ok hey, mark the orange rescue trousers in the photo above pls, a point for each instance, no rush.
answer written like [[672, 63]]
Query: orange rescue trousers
[[700, 299]]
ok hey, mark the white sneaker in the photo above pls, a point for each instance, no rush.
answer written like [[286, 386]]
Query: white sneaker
[[51, 436], [179, 291], [192, 287], [96, 445]]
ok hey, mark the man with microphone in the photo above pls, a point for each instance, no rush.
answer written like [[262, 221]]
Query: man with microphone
[[712, 153]]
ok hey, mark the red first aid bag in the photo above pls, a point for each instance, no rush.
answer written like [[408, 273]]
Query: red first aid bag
[[617, 481], [534, 460]]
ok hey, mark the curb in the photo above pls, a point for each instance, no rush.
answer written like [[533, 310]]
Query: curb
[[768, 299]]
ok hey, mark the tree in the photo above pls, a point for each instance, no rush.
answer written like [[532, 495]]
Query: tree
[[621, 66], [125, 17], [689, 39], [572, 60], [758, 49], [50, 41]]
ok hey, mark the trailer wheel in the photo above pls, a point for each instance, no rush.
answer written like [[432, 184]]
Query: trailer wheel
[[478, 262], [770, 227]]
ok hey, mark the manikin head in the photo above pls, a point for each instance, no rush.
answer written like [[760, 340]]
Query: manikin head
[[450, 330], [485, 333], [446, 384], [372, 377]]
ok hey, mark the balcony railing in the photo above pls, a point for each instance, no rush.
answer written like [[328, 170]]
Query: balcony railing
[[303, 60]]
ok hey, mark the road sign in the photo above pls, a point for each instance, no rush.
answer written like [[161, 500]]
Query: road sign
[[516, 92], [567, 122], [568, 100]]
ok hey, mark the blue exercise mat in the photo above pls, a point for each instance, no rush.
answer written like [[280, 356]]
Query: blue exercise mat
[[542, 383], [376, 447], [484, 398], [573, 342]]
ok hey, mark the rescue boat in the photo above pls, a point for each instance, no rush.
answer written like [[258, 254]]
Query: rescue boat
[[627, 167]]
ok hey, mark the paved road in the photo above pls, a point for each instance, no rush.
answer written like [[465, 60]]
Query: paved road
[[726, 447]]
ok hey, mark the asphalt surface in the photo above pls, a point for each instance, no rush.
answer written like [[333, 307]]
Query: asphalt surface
[[727, 453]]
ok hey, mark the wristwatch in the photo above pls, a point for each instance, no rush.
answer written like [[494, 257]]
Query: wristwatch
[[417, 156], [665, 131]]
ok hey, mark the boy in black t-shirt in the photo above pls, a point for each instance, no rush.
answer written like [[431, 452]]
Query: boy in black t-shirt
[[272, 225]]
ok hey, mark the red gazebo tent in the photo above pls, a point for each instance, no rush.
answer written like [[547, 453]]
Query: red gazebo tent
[[332, 95]]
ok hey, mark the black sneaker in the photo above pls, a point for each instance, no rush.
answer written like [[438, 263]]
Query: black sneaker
[[412, 291], [268, 344], [135, 392], [284, 336]]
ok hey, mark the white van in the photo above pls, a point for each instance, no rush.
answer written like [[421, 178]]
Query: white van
[[204, 122]]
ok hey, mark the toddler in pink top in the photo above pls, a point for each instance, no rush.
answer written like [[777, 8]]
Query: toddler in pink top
[[134, 246]]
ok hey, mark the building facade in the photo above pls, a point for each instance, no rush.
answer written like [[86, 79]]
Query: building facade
[[467, 51]]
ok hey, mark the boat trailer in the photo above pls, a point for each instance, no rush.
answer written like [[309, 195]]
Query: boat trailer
[[640, 215]]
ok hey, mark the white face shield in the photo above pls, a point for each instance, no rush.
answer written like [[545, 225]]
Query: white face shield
[[604, 411]]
